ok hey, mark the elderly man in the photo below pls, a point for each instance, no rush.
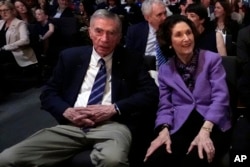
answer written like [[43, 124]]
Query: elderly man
[[142, 36], [101, 95]]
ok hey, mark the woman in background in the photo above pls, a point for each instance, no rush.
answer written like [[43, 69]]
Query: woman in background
[[16, 55]]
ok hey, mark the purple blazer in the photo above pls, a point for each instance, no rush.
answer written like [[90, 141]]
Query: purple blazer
[[210, 96]]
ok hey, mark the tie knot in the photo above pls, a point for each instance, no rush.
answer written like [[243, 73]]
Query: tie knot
[[102, 62]]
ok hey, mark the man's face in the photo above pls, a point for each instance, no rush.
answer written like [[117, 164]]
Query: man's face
[[157, 15], [105, 35]]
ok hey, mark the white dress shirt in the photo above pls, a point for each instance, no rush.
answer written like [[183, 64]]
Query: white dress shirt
[[89, 80], [150, 48]]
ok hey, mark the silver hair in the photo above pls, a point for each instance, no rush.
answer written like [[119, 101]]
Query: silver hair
[[105, 14], [146, 7]]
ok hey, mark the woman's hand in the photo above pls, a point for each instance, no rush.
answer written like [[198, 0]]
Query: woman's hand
[[203, 142], [163, 138]]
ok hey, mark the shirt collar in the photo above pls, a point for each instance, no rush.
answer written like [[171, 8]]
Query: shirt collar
[[95, 57], [151, 29]]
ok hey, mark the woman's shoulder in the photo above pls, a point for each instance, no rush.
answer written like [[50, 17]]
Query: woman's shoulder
[[207, 54], [17, 21]]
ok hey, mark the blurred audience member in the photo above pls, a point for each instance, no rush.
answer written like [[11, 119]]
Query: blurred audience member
[[197, 13], [15, 52], [209, 7], [45, 30], [44, 4], [14, 38], [238, 11], [224, 25], [24, 12], [183, 5], [133, 12], [82, 15], [62, 10]]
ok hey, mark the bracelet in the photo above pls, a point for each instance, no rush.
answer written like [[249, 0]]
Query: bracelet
[[164, 126], [206, 129]]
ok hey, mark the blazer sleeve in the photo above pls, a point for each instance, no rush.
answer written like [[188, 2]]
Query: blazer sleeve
[[22, 35], [218, 110]]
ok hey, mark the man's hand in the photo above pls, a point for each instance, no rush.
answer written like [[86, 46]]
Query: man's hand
[[79, 116], [101, 112]]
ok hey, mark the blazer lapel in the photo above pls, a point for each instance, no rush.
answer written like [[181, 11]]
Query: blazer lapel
[[116, 79], [81, 69]]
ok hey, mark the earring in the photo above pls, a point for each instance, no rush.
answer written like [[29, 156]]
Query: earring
[[170, 47]]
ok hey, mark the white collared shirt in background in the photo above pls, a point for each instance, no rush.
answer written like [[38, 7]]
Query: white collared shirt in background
[[150, 48]]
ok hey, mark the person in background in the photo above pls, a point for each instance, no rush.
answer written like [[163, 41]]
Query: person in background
[[225, 27], [192, 128], [183, 6], [133, 12], [197, 13], [15, 53], [62, 9], [109, 121], [238, 11], [14, 38], [24, 12], [45, 30], [142, 36], [82, 15], [44, 4], [210, 8]]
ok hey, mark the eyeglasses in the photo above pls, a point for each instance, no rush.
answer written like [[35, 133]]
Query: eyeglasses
[[4, 10]]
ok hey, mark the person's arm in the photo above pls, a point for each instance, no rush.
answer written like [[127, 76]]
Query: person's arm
[[221, 47], [49, 32], [23, 39]]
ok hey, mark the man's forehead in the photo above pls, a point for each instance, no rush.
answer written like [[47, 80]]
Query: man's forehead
[[103, 23]]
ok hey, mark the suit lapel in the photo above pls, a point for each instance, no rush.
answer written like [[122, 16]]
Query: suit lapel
[[116, 74], [81, 69], [10, 30]]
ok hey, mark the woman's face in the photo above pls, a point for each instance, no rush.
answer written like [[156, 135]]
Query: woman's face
[[81, 7], [20, 7], [6, 13], [182, 39], [219, 10]]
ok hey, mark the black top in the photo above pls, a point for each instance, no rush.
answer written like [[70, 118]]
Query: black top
[[3, 36]]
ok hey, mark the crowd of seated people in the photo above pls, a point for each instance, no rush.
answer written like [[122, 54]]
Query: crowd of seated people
[[225, 17]]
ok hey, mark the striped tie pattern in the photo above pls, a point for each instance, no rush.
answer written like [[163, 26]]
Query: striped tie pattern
[[99, 85], [160, 58]]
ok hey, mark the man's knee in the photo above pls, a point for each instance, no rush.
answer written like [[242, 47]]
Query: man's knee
[[7, 158], [115, 160], [109, 158]]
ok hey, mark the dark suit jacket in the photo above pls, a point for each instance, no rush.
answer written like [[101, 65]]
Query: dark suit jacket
[[133, 90], [137, 36], [66, 13]]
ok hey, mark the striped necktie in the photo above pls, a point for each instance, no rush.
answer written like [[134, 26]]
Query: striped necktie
[[160, 58], [97, 91]]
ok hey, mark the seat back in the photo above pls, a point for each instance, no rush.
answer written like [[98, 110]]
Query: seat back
[[230, 65]]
